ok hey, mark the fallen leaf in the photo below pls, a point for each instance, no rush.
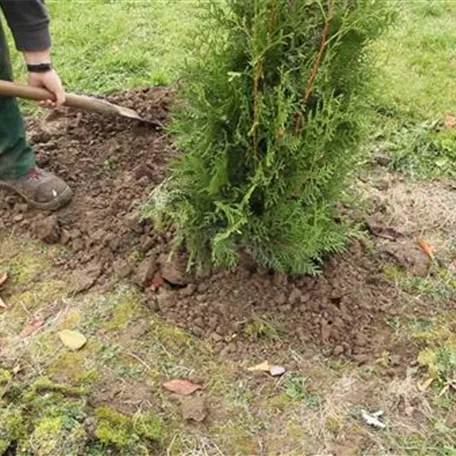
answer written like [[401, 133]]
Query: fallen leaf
[[425, 385], [72, 339], [182, 387], [263, 367], [33, 326], [194, 409], [277, 371], [3, 279], [450, 122], [2, 304], [425, 247]]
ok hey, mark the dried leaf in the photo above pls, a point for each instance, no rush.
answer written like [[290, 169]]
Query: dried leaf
[[2, 304], [263, 367], [425, 385], [72, 339], [3, 279], [449, 123], [277, 371], [182, 387], [33, 326], [425, 247]]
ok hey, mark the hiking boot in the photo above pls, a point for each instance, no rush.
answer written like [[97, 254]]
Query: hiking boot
[[41, 189]]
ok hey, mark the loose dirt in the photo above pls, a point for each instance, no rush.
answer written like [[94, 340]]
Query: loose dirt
[[112, 164]]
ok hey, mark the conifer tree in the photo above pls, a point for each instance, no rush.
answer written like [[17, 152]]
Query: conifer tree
[[269, 124]]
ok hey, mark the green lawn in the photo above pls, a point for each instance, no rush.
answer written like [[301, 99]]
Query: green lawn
[[416, 90], [102, 46]]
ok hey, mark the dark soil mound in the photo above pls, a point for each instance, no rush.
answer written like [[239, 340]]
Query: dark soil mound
[[111, 165]]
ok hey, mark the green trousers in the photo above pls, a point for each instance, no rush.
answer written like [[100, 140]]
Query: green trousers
[[16, 156]]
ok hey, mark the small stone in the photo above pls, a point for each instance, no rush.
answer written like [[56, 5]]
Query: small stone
[[277, 371], [174, 272], [85, 279], [281, 299], [295, 296], [216, 337], [121, 268], [65, 237], [338, 350], [189, 290], [48, 230], [165, 299], [77, 245], [145, 272], [133, 221], [147, 243], [280, 280], [325, 331], [194, 409], [18, 218]]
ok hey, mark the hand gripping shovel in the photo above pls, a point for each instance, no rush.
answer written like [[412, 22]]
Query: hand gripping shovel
[[72, 100]]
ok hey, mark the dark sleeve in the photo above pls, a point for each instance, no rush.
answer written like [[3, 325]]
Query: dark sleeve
[[29, 22]]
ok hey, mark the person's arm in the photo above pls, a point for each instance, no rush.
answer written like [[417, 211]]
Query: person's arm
[[29, 23]]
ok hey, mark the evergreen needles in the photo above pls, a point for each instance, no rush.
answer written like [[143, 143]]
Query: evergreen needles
[[269, 126]]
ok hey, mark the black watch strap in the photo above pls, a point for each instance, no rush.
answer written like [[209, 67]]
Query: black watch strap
[[39, 68]]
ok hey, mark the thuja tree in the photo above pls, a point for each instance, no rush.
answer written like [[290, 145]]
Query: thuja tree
[[270, 126]]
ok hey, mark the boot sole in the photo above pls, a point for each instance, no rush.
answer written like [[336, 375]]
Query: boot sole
[[54, 205]]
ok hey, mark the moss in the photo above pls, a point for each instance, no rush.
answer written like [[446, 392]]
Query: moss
[[124, 307], [149, 426], [5, 376], [129, 434], [12, 428], [281, 402], [112, 427], [43, 384], [53, 436], [172, 338]]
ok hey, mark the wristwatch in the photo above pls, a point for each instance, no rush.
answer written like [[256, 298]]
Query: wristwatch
[[39, 68]]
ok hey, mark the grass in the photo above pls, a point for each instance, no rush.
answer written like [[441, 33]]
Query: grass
[[102, 46], [417, 91]]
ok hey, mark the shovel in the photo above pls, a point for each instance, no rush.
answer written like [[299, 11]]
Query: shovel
[[72, 100]]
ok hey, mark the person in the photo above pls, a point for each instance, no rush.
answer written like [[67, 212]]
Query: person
[[29, 23]]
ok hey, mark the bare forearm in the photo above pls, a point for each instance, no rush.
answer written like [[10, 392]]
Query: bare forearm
[[37, 57]]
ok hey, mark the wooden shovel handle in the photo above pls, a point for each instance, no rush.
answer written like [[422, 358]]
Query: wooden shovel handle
[[72, 100]]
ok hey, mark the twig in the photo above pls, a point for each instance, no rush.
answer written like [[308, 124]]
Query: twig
[[315, 68], [317, 64], [140, 360]]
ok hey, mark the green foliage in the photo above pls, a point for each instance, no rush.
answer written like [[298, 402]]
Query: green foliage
[[12, 427], [422, 150], [441, 363], [50, 419], [112, 427], [115, 429], [269, 126]]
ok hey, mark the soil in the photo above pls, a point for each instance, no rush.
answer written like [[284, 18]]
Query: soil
[[112, 164]]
